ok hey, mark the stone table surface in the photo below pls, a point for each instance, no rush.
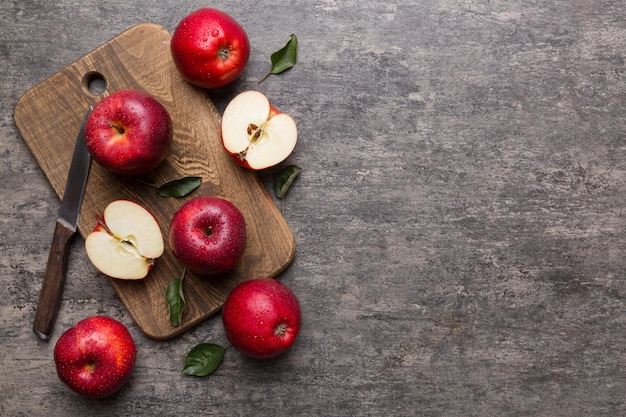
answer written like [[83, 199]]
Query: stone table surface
[[459, 217]]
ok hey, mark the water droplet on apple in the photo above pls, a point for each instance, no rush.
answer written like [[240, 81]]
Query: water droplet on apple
[[215, 33]]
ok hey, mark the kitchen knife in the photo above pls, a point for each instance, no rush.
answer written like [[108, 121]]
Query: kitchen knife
[[64, 231]]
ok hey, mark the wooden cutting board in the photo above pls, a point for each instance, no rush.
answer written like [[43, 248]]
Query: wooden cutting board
[[49, 116]]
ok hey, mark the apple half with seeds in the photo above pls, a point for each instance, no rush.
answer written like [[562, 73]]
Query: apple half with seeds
[[126, 241], [255, 133]]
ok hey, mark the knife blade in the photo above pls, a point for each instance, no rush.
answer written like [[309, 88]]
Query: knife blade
[[64, 231]]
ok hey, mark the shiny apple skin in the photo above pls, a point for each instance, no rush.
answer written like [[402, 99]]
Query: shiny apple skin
[[208, 235], [96, 356], [262, 318], [210, 48], [146, 138]]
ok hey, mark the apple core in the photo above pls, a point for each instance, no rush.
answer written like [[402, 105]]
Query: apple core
[[255, 133]]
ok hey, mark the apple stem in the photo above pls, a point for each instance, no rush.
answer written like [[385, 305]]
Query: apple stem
[[103, 224], [120, 129]]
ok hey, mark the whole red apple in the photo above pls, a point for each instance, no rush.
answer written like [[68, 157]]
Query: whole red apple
[[208, 235], [129, 132], [209, 48], [261, 317], [96, 356]]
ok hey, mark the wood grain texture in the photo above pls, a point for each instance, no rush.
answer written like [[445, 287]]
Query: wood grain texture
[[48, 117]]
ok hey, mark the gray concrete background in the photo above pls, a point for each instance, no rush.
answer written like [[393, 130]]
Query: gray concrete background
[[459, 218]]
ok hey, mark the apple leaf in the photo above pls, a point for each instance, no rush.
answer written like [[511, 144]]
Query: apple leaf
[[284, 58], [203, 359], [179, 187], [282, 182], [176, 300], [284, 179]]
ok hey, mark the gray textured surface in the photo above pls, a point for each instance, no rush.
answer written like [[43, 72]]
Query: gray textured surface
[[459, 218]]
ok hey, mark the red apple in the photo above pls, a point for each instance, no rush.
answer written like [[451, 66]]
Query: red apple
[[209, 48], [255, 133], [129, 132], [208, 235], [261, 317], [96, 356]]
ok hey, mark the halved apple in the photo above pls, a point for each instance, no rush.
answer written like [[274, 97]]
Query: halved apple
[[126, 241], [255, 133]]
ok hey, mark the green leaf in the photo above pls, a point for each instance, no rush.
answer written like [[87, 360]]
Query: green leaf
[[176, 300], [203, 359], [180, 187], [284, 58], [284, 179]]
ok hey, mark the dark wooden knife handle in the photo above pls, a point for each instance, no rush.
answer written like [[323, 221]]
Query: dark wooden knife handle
[[53, 281]]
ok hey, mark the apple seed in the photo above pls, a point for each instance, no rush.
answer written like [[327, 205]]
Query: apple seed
[[256, 136], [255, 132], [252, 127]]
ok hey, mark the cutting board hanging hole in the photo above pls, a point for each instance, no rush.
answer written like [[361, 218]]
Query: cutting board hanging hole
[[94, 83]]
